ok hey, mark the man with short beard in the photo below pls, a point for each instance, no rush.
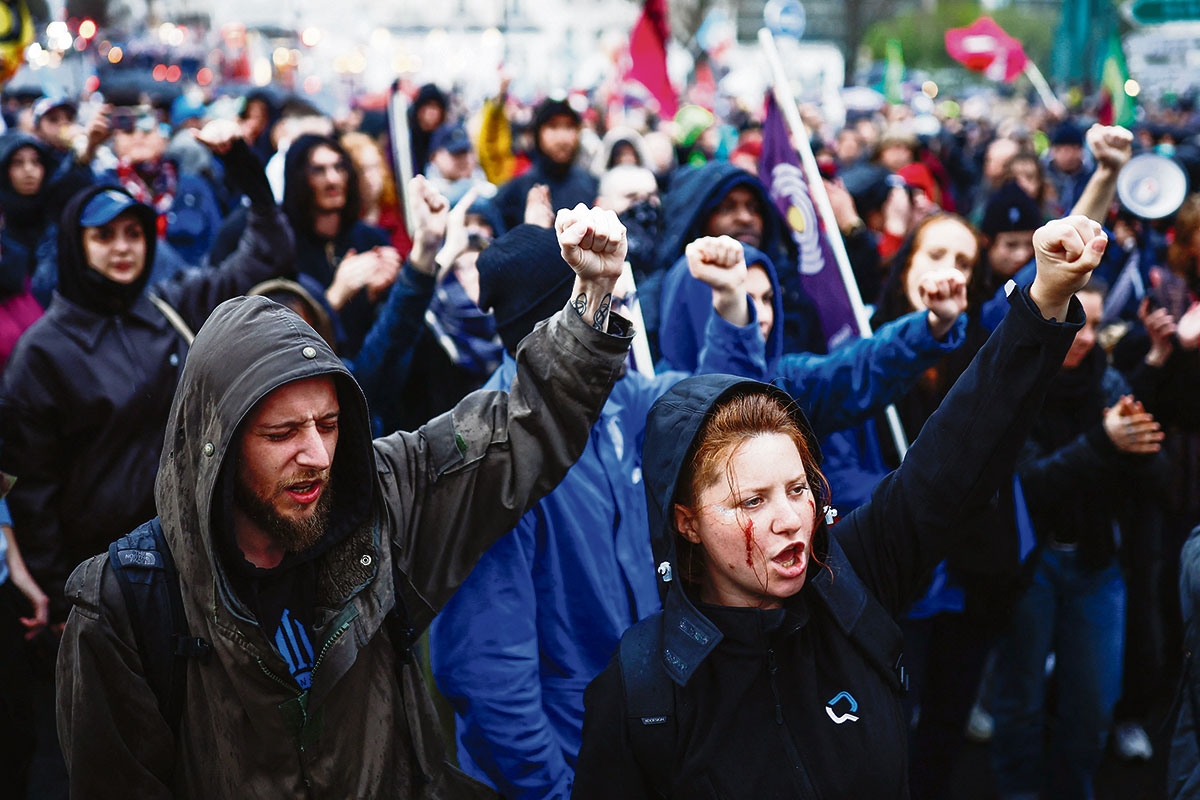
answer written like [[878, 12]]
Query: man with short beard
[[310, 557]]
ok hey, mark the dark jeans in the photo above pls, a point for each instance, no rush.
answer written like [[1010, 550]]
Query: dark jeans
[[17, 737], [1079, 615]]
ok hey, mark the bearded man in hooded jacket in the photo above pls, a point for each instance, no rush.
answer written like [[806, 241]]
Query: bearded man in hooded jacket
[[295, 535]]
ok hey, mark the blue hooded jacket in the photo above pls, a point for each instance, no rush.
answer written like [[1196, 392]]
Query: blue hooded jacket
[[693, 195], [874, 372], [543, 610]]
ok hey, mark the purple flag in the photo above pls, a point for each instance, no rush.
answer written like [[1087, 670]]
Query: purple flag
[[780, 171]]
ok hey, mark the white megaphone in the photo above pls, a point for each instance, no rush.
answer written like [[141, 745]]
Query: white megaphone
[[1152, 186]]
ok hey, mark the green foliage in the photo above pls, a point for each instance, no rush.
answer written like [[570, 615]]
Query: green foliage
[[923, 34]]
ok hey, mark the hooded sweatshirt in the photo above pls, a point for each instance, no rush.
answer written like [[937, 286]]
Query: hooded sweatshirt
[[87, 391], [760, 698], [693, 195], [412, 513]]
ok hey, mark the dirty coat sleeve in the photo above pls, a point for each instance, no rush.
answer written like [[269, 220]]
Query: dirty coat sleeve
[[465, 478]]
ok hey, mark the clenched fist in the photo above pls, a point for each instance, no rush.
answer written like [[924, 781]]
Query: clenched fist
[[944, 293], [720, 262], [1066, 250]]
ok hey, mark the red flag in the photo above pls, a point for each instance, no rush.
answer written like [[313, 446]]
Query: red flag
[[983, 46], [648, 56]]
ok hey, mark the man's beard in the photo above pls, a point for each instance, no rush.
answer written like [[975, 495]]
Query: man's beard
[[294, 535]]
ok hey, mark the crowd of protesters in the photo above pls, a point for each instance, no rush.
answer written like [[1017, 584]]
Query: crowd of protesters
[[1046, 620]]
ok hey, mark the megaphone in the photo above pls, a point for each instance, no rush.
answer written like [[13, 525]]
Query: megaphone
[[1152, 186]]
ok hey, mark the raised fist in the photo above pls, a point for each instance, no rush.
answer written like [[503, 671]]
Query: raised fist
[[719, 261], [592, 241], [944, 293], [1066, 250]]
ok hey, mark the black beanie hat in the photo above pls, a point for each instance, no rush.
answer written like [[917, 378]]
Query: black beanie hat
[[552, 107], [522, 281], [1010, 209]]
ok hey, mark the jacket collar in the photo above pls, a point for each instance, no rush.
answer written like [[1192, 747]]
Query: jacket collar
[[87, 327]]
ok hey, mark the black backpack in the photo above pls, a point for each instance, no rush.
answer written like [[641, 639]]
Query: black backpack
[[649, 692], [145, 571]]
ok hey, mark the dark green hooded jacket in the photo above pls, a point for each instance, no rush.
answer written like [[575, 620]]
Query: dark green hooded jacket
[[432, 500]]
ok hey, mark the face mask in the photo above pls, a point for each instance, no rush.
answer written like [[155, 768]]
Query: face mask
[[643, 225]]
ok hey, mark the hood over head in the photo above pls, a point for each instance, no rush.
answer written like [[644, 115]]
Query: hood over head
[[10, 201], [614, 137], [695, 192], [687, 303], [83, 285], [672, 429], [248, 347]]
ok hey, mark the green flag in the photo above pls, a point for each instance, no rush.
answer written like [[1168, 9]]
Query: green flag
[[893, 72], [1113, 78]]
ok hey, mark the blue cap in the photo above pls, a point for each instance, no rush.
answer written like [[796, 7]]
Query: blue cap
[[108, 205], [450, 137], [47, 104], [184, 108]]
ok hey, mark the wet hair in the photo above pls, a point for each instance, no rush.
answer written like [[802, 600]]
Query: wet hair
[[731, 424]]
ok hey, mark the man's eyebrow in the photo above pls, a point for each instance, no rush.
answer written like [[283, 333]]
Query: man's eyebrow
[[292, 423]]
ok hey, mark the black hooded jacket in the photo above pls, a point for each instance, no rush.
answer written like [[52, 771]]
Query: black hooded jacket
[[84, 397], [26, 218], [421, 139], [761, 698]]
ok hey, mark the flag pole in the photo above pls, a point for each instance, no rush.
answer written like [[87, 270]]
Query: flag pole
[[1049, 99], [397, 108], [786, 102]]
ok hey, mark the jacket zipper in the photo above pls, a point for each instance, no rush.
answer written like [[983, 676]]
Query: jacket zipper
[[801, 773], [304, 711], [345, 626]]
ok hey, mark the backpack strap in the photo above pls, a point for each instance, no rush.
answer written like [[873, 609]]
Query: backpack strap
[[862, 618], [145, 571], [649, 697], [172, 316]]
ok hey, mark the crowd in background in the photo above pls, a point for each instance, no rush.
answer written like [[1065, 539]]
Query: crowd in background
[[1058, 610]]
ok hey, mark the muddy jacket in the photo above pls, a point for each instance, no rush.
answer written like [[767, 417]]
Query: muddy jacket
[[434, 500]]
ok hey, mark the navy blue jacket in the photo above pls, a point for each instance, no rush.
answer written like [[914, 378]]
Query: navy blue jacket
[[85, 398], [877, 371], [544, 608]]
